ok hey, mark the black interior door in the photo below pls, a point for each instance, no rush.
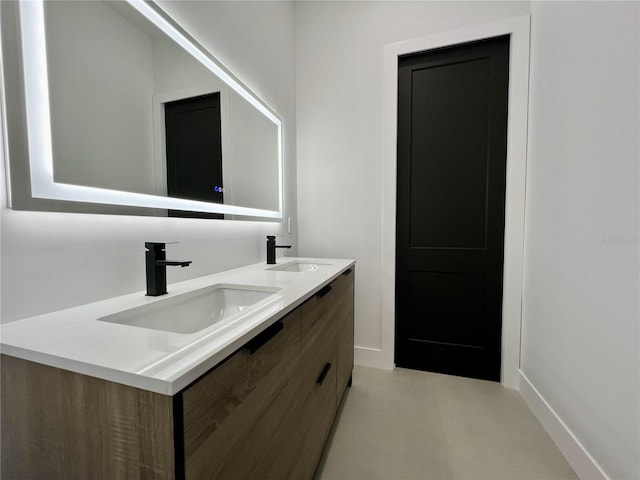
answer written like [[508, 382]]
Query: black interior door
[[193, 139], [452, 130]]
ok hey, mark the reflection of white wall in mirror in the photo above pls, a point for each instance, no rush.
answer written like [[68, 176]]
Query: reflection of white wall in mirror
[[175, 69], [101, 130], [254, 139]]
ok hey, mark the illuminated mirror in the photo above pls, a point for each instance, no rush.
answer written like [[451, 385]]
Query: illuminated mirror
[[123, 108]]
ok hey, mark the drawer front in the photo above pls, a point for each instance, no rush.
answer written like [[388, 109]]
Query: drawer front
[[221, 411], [280, 437], [269, 449], [318, 413], [318, 349], [325, 305]]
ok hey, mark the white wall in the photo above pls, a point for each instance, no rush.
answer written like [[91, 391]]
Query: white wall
[[51, 261], [339, 64], [580, 344]]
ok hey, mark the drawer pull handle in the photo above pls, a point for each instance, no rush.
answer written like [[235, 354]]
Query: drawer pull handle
[[323, 291], [323, 374], [263, 337], [347, 272]]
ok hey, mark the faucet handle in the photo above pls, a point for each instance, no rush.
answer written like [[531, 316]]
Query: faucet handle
[[155, 246]]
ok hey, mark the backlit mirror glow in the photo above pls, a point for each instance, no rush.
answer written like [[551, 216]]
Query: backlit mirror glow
[[250, 132]]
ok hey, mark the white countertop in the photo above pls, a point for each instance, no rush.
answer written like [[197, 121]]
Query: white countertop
[[163, 362]]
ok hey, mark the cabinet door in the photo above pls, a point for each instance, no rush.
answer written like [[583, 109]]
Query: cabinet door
[[344, 331], [58, 424], [239, 420]]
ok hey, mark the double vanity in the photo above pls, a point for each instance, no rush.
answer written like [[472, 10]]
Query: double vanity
[[233, 375]]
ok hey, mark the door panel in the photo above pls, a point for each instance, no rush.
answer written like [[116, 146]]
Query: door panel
[[445, 170], [434, 298], [452, 118]]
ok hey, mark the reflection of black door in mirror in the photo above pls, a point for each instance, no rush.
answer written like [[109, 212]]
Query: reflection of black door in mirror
[[194, 151]]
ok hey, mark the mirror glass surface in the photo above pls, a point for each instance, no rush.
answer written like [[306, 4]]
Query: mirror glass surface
[[138, 116]]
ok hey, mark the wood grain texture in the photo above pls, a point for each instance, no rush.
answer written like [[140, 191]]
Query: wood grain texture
[[322, 319], [240, 405], [318, 413], [318, 309], [268, 449], [318, 349], [58, 424], [345, 334]]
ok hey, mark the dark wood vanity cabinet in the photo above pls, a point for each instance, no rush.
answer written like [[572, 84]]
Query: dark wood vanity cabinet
[[237, 418], [326, 364], [263, 413], [267, 415], [58, 424]]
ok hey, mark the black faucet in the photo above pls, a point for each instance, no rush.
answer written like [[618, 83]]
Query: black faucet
[[271, 249], [157, 268]]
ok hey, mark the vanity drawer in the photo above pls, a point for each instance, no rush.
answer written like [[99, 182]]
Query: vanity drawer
[[228, 410], [324, 306], [327, 325], [318, 413], [319, 348]]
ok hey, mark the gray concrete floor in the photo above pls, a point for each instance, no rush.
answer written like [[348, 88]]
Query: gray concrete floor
[[406, 424]]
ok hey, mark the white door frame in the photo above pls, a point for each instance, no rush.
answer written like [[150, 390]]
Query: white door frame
[[518, 28]]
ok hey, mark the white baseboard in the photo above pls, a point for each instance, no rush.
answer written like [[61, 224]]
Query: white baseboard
[[369, 357], [578, 457]]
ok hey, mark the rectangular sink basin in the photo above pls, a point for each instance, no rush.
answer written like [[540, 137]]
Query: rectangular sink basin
[[197, 310], [298, 266]]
